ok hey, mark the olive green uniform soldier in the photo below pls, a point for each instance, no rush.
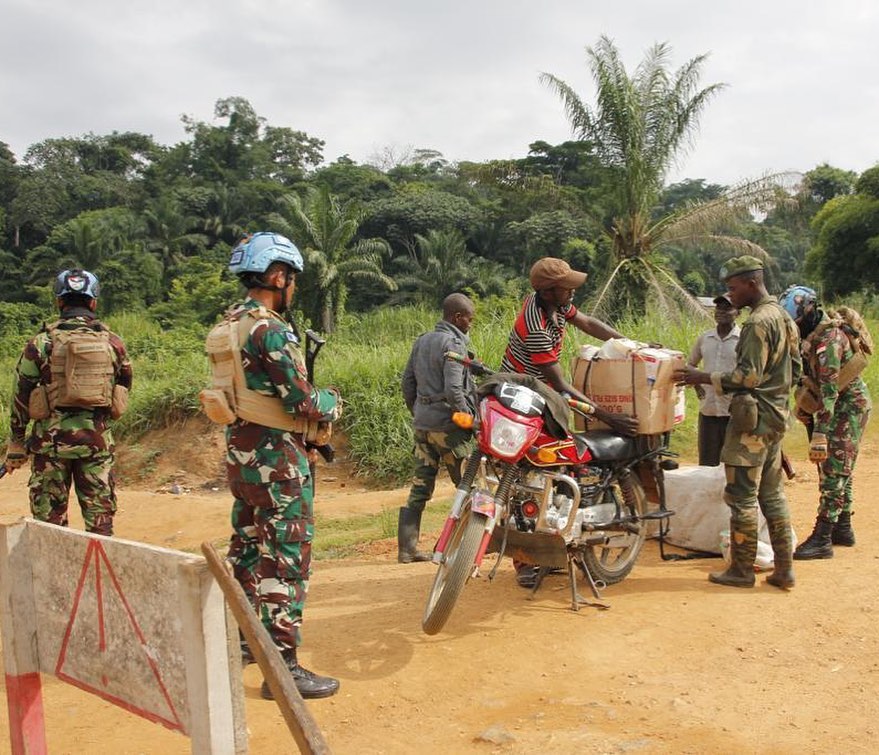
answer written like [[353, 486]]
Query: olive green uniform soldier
[[767, 365], [71, 381]]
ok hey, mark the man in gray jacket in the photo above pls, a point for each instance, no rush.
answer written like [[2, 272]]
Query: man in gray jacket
[[434, 388]]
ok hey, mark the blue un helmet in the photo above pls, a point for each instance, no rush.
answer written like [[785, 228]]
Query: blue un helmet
[[255, 253], [798, 300], [77, 282]]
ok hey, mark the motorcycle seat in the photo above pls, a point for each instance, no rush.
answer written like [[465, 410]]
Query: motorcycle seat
[[606, 445]]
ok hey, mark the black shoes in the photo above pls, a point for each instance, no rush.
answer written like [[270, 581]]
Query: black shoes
[[842, 533], [526, 576], [818, 544], [310, 685]]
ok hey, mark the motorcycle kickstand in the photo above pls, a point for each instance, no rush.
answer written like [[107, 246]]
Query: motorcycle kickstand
[[578, 600]]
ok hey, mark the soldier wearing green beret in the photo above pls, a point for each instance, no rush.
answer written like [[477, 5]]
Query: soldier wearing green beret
[[768, 363]]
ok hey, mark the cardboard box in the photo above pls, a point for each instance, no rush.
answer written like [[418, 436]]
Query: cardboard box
[[642, 386]]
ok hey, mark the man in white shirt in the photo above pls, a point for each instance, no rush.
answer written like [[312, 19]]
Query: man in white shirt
[[716, 348]]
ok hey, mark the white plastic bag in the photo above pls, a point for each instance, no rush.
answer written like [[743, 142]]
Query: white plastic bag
[[765, 560]]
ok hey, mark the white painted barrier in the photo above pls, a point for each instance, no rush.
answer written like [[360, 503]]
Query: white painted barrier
[[142, 627]]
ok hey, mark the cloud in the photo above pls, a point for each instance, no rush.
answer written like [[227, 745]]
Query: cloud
[[459, 77]]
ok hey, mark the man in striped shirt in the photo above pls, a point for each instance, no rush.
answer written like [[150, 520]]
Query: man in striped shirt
[[536, 339], [536, 343]]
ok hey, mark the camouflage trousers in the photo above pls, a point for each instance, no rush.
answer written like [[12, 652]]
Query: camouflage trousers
[[431, 450], [843, 443], [763, 485], [92, 478], [270, 552]]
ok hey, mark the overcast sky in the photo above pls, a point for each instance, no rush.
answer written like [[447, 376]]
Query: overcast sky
[[457, 76]]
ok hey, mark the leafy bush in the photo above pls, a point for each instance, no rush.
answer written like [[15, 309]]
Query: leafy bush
[[364, 359]]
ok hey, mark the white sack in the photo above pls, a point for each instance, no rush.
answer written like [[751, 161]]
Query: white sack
[[701, 518]]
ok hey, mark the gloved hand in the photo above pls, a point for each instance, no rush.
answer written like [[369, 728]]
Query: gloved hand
[[818, 447], [16, 456], [336, 412]]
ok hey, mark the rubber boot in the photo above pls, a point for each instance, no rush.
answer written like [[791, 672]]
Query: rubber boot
[[408, 529], [782, 575], [842, 533], [818, 544], [310, 685], [740, 572]]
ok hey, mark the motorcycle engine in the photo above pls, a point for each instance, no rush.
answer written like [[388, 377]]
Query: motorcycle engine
[[596, 507], [589, 478], [525, 500]]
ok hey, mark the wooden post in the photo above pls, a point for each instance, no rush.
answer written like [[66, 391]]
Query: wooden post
[[24, 699], [299, 720]]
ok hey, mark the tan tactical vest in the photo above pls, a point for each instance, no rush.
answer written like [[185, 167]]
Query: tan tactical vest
[[229, 397], [81, 365], [808, 395]]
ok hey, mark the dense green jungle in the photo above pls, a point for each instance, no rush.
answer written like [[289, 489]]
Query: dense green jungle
[[386, 240]]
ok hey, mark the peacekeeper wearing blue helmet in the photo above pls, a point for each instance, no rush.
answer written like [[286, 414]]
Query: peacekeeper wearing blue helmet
[[71, 382], [272, 407], [834, 404]]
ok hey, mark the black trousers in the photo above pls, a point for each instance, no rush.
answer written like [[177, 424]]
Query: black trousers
[[711, 433]]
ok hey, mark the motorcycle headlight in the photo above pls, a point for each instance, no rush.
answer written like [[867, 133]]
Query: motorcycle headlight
[[508, 437]]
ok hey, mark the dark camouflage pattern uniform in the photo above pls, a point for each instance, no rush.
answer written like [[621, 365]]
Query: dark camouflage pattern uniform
[[767, 365], [272, 515], [72, 444], [433, 389], [431, 450], [842, 417]]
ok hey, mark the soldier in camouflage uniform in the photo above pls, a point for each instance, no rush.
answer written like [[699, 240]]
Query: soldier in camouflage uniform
[[434, 388], [767, 365], [837, 426], [267, 467], [71, 443]]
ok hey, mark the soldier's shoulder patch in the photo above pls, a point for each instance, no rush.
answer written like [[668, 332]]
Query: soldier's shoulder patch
[[291, 337]]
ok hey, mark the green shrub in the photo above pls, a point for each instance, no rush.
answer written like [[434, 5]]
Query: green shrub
[[364, 359]]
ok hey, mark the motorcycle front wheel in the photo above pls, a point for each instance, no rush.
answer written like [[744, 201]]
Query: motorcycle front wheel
[[457, 566], [612, 560]]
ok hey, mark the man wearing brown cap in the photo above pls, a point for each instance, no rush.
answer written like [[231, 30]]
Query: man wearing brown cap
[[536, 343], [716, 350], [536, 339], [767, 365]]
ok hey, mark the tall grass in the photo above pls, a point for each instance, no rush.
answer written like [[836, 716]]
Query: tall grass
[[364, 359]]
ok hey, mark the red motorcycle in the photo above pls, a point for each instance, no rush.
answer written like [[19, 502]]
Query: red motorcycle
[[544, 496]]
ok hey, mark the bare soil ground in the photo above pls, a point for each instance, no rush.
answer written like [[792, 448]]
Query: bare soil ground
[[678, 665]]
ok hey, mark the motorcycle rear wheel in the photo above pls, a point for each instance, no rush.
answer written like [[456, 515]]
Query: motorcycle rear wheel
[[612, 561], [453, 573]]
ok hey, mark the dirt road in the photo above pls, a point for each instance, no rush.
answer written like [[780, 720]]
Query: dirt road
[[676, 665]]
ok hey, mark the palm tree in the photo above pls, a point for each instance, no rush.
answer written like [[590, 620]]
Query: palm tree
[[326, 232], [439, 264], [170, 233], [640, 126]]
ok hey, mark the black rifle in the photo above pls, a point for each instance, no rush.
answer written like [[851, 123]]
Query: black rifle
[[313, 344], [2, 471]]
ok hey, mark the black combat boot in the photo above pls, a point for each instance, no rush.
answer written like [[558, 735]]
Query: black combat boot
[[408, 529], [310, 685], [842, 533], [818, 544]]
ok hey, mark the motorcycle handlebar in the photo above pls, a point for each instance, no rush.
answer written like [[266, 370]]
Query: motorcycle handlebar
[[478, 368]]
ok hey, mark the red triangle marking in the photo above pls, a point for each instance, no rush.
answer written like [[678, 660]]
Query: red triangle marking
[[96, 549]]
